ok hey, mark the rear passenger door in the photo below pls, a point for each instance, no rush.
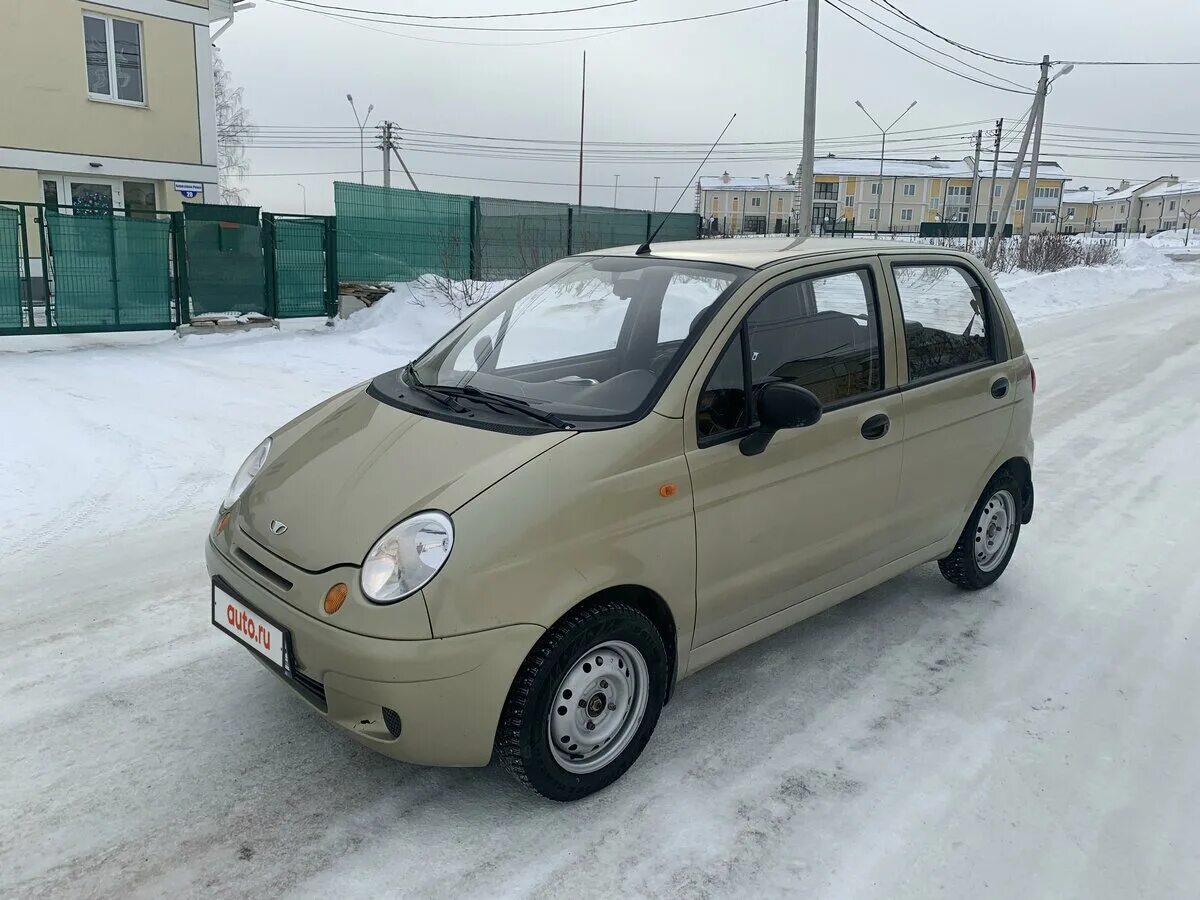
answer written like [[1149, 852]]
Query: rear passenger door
[[958, 387], [816, 508]]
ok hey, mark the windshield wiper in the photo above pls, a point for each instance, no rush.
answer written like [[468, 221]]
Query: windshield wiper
[[415, 382], [503, 402]]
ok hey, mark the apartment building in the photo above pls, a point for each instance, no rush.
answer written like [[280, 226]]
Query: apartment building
[[108, 105], [1161, 204], [850, 194], [1078, 210]]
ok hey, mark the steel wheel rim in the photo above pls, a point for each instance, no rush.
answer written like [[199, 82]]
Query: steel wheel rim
[[598, 707], [994, 530]]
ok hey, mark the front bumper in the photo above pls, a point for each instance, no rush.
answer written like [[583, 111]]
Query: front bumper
[[447, 692]]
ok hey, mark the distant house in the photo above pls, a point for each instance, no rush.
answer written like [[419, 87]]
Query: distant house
[[850, 194], [1078, 210], [1156, 205]]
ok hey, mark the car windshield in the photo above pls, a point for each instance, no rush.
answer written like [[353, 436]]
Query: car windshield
[[584, 338]]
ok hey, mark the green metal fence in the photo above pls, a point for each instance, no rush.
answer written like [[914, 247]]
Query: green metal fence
[[301, 280], [389, 234], [111, 271], [225, 268], [11, 315]]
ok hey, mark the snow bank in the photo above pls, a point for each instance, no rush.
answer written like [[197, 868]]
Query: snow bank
[[1141, 268]]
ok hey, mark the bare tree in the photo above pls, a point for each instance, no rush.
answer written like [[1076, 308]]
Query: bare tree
[[233, 129]]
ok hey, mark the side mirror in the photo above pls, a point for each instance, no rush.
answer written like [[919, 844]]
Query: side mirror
[[781, 405]]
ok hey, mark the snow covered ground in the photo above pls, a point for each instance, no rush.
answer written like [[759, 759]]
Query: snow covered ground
[[1036, 740]]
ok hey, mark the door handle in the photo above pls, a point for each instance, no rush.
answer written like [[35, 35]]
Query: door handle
[[876, 427], [999, 387]]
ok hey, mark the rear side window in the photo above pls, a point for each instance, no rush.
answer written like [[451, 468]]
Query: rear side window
[[946, 324], [820, 333]]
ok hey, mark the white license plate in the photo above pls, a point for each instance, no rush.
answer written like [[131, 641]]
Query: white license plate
[[249, 627]]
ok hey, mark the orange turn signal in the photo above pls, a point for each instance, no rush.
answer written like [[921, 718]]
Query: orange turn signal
[[668, 490], [335, 598], [222, 524]]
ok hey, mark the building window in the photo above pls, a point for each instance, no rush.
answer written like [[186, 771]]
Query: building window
[[113, 53], [756, 201], [825, 190], [50, 194], [1070, 210], [910, 190], [1045, 192], [995, 215], [933, 202], [872, 213], [997, 190], [906, 215], [957, 190], [1168, 226], [1020, 204], [849, 199], [1121, 209], [1171, 206], [875, 186]]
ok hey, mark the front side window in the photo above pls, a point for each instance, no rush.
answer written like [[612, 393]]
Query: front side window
[[584, 338], [820, 333], [945, 319], [113, 56]]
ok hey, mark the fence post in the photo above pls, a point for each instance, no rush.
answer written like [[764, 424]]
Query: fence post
[[570, 230], [331, 267], [24, 212], [181, 271], [112, 249], [473, 263], [270, 284], [176, 218], [47, 253]]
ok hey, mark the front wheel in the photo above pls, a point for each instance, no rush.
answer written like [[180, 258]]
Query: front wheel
[[989, 538], [585, 702]]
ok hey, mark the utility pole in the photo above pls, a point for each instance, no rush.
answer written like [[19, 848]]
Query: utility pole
[[987, 225], [582, 106], [386, 146], [655, 207], [1031, 189], [974, 187], [616, 184], [807, 178]]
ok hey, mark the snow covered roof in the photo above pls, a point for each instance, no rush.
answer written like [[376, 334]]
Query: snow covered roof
[[1083, 195], [744, 183], [892, 168], [1180, 187]]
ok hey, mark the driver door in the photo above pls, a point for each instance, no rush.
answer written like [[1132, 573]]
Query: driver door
[[817, 508]]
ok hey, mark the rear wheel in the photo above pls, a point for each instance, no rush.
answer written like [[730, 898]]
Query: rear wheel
[[585, 702], [989, 538]]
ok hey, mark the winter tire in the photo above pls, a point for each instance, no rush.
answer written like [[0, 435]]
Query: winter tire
[[585, 702], [989, 538]]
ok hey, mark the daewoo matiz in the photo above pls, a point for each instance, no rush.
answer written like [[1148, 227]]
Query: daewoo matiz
[[622, 468]]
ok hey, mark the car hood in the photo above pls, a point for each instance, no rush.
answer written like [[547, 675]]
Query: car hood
[[347, 470]]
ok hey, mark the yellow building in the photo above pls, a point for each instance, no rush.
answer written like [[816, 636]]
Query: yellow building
[[108, 104]]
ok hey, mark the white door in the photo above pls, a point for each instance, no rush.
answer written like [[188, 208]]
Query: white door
[[95, 194]]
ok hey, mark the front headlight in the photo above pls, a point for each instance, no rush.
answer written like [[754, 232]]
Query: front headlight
[[407, 557], [251, 467]]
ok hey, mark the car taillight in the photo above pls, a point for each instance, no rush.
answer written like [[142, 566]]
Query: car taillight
[[1032, 380]]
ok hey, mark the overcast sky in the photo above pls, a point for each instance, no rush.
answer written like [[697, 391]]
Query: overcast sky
[[681, 82]]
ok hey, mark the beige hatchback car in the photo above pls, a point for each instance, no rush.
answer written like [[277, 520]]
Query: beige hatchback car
[[620, 469]]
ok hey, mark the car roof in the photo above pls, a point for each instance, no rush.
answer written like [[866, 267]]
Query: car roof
[[755, 252]]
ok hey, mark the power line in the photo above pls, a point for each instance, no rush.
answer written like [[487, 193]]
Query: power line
[[961, 62], [523, 29], [515, 15], [911, 52], [994, 57], [1092, 62]]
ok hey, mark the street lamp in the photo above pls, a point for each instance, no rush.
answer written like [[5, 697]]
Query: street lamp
[[362, 146], [656, 177], [882, 146], [616, 183], [304, 192]]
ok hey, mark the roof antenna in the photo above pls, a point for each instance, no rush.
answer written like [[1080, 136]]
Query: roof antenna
[[645, 248]]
